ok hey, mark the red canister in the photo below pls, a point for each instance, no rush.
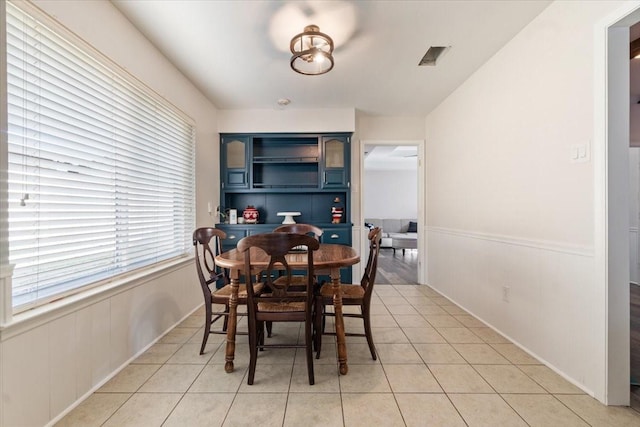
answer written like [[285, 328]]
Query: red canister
[[250, 215]]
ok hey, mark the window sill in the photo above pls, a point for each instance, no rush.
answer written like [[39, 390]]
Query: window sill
[[37, 316]]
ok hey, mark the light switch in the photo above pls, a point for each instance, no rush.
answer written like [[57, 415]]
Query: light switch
[[574, 152], [579, 153], [582, 151]]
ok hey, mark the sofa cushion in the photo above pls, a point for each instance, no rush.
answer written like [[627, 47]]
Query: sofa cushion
[[391, 225], [393, 228], [413, 227], [407, 236]]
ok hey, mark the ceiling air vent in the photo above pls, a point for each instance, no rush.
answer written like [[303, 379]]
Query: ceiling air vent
[[432, 55]]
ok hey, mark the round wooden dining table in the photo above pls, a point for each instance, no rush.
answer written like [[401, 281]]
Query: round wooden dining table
[[328, 259]]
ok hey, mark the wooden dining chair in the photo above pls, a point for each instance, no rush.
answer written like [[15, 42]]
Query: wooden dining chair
[[352, 294], [214, 281], [299, 281], [278, 302], [300, 229]]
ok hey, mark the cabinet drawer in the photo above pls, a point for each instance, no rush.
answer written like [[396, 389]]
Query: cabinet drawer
[[337, 235]]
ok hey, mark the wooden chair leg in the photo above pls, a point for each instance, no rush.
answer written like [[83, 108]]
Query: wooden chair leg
[[367, 332], [253, 351], [269, 329], [319, 326], [226, 317], [269, 324], [207, 328], [261, 336], [315, 325], [309, 350]]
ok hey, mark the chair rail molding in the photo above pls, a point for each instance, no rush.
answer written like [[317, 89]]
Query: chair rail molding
[[547, 245]]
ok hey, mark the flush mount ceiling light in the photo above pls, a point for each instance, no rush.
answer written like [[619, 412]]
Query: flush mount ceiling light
[[312, 52]]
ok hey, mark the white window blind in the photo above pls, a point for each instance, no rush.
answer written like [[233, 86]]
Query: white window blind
[[100, 173]]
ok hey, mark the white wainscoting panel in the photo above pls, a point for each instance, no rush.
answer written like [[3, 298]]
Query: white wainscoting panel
[[549, 285], [26, 381], [49, 367]]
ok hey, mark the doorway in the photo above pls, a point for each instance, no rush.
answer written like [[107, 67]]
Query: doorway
[[634, 218], [395, 168]]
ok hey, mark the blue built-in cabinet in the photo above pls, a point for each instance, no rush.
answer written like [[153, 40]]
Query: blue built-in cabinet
[[287, 173]]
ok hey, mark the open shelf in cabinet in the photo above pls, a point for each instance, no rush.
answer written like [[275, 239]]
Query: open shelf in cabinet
[[292, 175], [286, 150], [315, 207]]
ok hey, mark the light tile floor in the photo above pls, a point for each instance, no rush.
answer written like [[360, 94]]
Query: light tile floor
[[437, 366]]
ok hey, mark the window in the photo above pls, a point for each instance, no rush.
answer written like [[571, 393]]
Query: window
[[100, 168]]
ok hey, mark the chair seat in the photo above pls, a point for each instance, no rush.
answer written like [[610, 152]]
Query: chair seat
[[298, 283], [349, 292], [281, 307], [223, 294], [295, 280]]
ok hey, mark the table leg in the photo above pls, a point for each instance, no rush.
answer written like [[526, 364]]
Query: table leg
[[340, 333], [233, 319]]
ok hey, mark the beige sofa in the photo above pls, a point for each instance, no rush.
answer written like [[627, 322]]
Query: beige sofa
[[395, 232]]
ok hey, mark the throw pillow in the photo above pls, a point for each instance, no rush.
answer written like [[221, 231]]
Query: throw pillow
[[413, 227]]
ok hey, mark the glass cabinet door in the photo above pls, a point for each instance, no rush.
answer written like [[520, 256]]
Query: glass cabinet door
[[334, 154], [235, 171], [335, 162]]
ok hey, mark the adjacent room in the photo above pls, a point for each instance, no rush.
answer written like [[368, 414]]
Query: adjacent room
[[198, 197], [387, 168]]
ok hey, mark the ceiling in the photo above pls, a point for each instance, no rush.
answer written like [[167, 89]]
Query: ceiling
[[391, 157], [237, 52]]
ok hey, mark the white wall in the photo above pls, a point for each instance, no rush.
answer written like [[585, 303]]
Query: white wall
[[287, 120], [49, 361], [390, 194], [508, 207], [383, 128]]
